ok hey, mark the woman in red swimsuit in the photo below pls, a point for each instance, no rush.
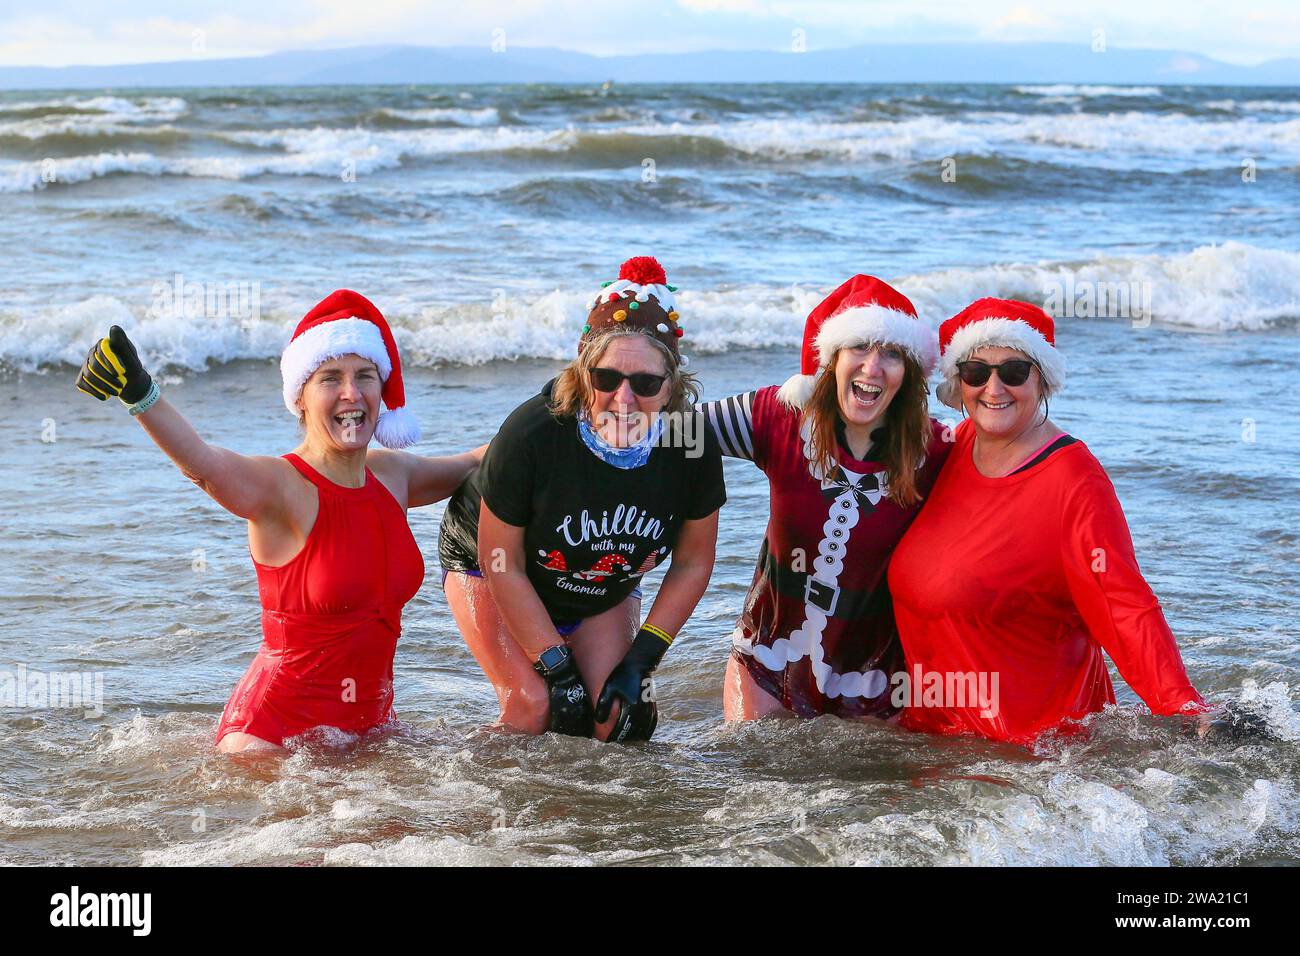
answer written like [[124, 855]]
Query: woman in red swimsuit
[[327, 530]]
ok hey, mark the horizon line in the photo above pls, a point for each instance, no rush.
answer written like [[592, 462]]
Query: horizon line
[[782, 50]]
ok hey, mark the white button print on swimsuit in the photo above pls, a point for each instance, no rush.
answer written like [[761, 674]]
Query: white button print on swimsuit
[[806, 640]]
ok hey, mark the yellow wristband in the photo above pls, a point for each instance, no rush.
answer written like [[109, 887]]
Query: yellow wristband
[[662, 635]]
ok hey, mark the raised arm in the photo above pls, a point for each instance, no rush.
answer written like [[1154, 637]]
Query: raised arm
[[251, 487]]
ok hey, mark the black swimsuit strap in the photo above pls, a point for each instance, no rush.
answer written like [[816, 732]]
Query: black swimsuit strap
[[1042, 455]]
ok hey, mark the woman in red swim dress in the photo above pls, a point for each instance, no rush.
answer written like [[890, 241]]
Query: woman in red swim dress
[[327, 532], [1020, 570]]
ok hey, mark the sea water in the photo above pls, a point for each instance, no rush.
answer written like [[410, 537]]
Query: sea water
[[1157, 221]]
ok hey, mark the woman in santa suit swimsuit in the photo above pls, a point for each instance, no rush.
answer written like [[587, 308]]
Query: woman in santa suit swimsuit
[[327, 529], [849, 452], [1020, 570]]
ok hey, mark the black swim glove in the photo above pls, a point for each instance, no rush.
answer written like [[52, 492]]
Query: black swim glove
[[570, 703], [629, 684], [1234, 723], [113, 368]]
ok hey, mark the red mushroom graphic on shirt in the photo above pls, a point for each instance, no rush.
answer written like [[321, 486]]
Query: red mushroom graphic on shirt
[[609, 564], [553, 561]]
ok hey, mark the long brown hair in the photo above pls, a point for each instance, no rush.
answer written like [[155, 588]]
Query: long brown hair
[[907, 420], [572, 390]]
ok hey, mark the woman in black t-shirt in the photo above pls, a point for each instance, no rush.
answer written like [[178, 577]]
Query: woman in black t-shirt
[[585, 488]]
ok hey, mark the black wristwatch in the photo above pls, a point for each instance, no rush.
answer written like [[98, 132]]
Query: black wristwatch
[[553, 660]]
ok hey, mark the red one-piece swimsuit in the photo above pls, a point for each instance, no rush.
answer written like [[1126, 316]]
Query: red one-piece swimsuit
[[331, 618]]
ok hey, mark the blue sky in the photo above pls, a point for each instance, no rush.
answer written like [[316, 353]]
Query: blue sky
[[64, 32]]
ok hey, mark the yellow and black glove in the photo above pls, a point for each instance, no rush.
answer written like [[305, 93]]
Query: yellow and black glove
[[113, 368]]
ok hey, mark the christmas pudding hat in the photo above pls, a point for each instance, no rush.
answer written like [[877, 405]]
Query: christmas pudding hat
[[640, 298], [999, 322], [862, 311], [347, 323]]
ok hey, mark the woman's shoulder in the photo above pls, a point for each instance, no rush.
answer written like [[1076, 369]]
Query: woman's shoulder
[[532, 418], [1076, 465], [1070, 474]]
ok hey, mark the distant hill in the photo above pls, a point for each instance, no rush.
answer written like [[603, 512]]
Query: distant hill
[[892, 63]]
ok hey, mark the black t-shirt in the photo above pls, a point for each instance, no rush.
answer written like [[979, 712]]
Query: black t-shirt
[[591, 530]]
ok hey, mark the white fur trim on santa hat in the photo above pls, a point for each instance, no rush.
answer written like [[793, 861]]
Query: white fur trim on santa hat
[[323, 342], [397, 428], [796, 391], [875, 323], [1006, 333]]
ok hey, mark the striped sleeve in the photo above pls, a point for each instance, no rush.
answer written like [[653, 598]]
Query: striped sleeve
[[732, 420]]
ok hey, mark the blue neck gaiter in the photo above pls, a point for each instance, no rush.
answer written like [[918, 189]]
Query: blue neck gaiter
[[634, 456]]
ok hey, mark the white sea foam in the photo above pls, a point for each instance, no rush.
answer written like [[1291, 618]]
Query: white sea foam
[[152, 107], [1259, 106], [303, 152], [1114, 140], [1228, 287], [97, 116], [399, 143], [47, 126], [25, 177], [1071, 89], [1125, 140], [487, 116]]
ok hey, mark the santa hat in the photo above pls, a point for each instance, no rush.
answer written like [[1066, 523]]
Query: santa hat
[[640, 298], [347, 323], [862, 311], [999, 322]]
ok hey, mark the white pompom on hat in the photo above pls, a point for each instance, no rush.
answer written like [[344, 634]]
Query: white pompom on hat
[[862, 311], [347, 323]]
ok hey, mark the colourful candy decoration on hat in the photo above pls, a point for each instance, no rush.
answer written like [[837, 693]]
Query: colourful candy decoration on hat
[[640, 298]]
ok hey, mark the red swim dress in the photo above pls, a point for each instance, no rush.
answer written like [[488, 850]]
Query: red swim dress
[[1007, 591], [331, 618]]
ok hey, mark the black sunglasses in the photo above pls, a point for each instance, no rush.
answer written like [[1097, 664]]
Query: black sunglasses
[[643, 383], [1014, 372]]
